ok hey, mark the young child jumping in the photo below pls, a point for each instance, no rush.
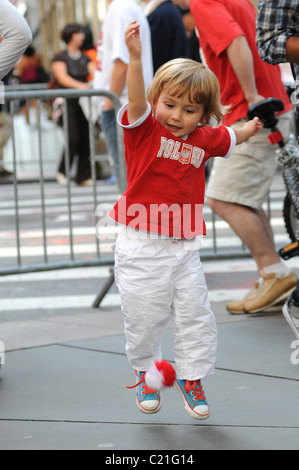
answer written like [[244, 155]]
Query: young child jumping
[[157, 264]]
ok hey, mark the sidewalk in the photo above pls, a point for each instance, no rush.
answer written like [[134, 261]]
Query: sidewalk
[[61, 387]]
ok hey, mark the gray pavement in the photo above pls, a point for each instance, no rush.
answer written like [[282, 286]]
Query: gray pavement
[[61, 386]]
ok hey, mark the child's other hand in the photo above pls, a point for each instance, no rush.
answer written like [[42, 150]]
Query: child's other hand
[[249, 129], [132, 38], [253, 126]]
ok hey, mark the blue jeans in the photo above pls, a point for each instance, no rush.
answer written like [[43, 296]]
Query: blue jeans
[[108, 124]]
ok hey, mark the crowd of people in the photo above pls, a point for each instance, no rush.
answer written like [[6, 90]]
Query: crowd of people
[[171, 93]]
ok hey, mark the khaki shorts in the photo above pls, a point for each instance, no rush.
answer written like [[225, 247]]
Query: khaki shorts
[[245, 178]]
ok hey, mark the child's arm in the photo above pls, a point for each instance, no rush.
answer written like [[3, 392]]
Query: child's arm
[[249, 129], [137, 104]]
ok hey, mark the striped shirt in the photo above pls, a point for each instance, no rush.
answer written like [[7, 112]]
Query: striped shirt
[[276, 22]]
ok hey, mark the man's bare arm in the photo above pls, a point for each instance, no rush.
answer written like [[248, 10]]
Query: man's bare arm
[[240, 57], [15, 37]]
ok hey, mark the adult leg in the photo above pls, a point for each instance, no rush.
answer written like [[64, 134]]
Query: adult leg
[[108, 124], [83, 148], [253, 228], [237, 189], [72, 139]]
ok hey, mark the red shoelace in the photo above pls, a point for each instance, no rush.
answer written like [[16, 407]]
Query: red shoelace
[[196, 388], [145, 388]]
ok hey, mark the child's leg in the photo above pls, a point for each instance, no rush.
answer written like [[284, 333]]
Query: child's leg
[[195, 334], [195, 325], [143, 276]]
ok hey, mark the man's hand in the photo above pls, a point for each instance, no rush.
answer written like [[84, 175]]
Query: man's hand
[[255, 99]]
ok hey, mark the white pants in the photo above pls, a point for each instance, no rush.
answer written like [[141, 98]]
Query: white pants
[[159, 280]]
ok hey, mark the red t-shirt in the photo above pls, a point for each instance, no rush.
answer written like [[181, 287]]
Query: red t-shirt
[[166, 176], [219, 22]]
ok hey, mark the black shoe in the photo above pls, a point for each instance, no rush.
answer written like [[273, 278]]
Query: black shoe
[[4, 173]]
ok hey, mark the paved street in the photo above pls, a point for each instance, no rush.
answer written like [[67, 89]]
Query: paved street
[[28, 299], [61, 386], [65, 366]]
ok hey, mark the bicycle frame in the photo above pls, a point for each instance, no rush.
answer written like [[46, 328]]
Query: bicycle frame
[[287, 158]]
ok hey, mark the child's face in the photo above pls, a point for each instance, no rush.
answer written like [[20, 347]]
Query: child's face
[[178, 115]]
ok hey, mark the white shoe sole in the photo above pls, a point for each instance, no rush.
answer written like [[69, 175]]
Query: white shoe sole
[[156, 406], [289, 320], [190, 411], [282, 298]]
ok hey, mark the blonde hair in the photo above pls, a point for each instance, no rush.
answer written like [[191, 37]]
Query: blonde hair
[[186, 76]]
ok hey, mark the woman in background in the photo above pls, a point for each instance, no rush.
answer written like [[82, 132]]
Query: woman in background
[[71, 68]]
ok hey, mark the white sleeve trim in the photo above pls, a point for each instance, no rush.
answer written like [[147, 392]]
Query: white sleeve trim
[[136, 123], [233, 142]]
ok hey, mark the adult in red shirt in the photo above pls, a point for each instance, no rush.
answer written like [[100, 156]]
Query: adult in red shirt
[[237, 190]]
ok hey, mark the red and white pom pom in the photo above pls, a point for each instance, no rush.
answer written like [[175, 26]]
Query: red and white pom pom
[[161, 374]]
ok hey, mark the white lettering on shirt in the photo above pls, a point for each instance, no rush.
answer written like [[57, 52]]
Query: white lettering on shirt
[[184, 153]]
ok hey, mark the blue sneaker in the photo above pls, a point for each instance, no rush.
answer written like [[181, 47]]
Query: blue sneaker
[[148, 401], [110, 180], [194, 399]]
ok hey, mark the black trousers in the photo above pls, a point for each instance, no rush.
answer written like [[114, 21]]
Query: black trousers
[[78, 142]]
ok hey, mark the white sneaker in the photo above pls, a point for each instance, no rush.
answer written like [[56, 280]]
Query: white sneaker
[[194, 398], [147, 400], [291, 313], [61, 179]]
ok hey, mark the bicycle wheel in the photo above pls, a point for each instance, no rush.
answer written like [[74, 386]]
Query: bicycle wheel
[[290, 217]]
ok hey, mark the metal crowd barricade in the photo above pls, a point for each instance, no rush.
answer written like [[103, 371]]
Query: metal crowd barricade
[[13, 97]]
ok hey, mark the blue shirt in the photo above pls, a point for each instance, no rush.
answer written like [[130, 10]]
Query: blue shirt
[[169, 37]]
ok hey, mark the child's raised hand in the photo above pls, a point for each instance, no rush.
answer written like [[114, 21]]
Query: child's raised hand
[[132, 38]]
